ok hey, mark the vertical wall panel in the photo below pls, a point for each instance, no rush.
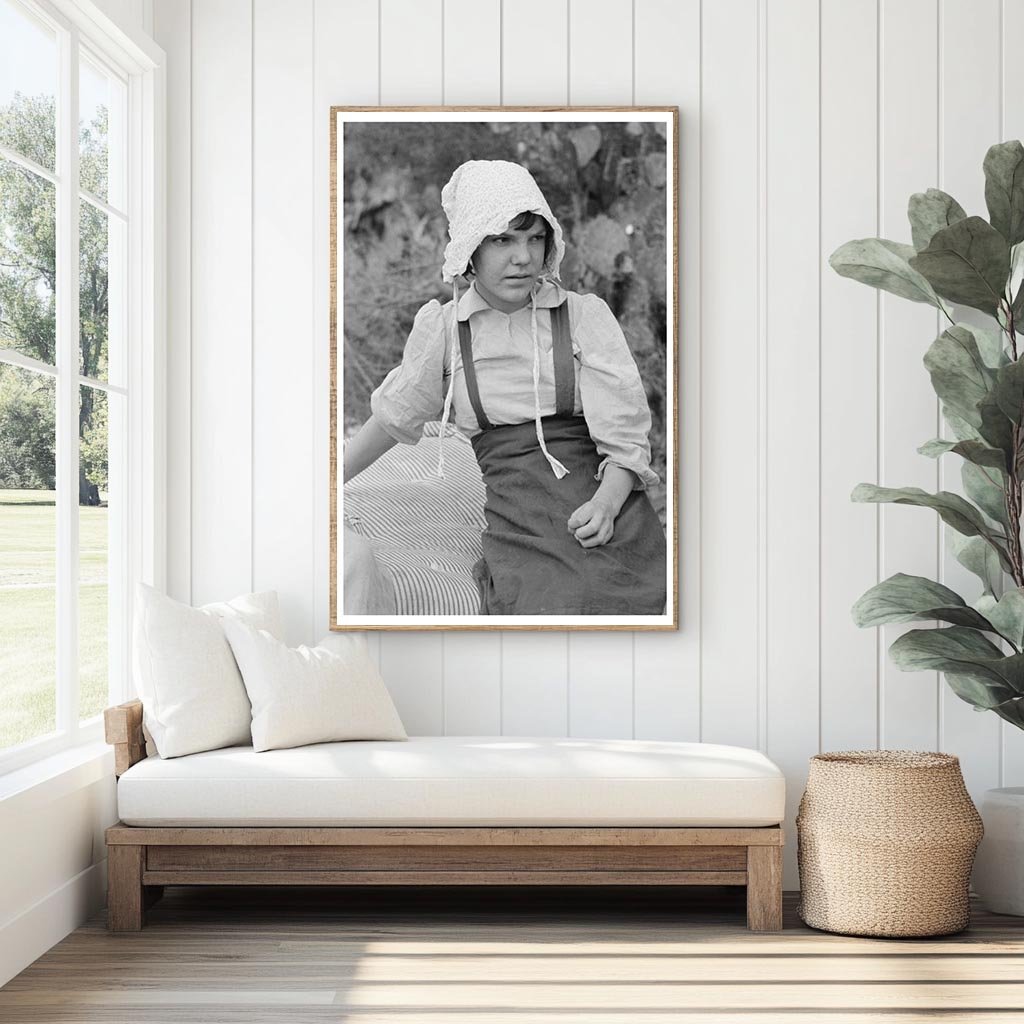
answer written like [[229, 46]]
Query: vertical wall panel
[[600, 52], [283, 309], [534, 695], [908, 102], [410, 52], [849, 373], [729, 388], [412, 665], [792, 371], [472, 661], [534, 53], [1012, 127], [472, 684], [221, 376], [969, 124], [601, 72], [601, 684], [355, 81], [472, 52], [667, 665], [173, 30]]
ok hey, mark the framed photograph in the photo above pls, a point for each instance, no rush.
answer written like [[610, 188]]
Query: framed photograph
[[504, 345]]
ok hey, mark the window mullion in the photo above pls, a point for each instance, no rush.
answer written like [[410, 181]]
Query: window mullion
[[30, 165], [67, 386]]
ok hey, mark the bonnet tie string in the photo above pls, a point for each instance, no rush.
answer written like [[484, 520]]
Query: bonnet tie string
[[556, 467], [454, 345]]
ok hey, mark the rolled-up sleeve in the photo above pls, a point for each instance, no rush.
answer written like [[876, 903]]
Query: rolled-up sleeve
[[612, 393], [412, 394]]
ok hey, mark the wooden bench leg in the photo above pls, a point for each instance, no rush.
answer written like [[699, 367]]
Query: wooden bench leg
[[764, 888], [125, 897]]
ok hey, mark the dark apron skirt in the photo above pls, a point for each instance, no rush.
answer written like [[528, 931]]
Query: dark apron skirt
[[532, 564]]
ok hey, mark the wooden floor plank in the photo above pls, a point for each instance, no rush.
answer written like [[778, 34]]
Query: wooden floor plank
[[464, 996], [331, 1015], [600, 956], [158, 969]]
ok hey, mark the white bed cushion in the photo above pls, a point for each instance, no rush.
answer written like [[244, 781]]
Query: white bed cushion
[[185, 673], [458, 780], [306, 695]]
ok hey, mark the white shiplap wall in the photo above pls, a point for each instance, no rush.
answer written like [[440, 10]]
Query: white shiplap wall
[[804, 123]]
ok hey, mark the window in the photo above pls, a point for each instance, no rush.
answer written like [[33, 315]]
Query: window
[[78, 259]]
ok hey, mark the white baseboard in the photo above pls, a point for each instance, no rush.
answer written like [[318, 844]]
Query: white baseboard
[[28, 936]]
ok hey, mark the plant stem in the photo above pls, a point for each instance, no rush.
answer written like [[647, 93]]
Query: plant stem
[[1013, 509], [1012, 498]]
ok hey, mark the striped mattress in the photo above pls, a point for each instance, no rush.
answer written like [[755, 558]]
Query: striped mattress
[[424, 530]]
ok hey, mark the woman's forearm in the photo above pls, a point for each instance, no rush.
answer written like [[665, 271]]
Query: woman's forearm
[[593, 523], [615, 487], [365, 448]]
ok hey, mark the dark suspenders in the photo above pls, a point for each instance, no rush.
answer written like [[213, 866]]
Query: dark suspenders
[[565, 371], [466, 348]]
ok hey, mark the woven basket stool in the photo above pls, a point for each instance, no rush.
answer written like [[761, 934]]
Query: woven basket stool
[[885, 843]]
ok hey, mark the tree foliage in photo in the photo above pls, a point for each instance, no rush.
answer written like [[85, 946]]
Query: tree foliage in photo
[[604, 182]]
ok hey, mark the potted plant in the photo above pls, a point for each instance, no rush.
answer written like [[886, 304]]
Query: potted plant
[[978, 374]]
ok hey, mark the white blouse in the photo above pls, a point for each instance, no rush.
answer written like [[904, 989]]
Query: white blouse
[[609, 393]]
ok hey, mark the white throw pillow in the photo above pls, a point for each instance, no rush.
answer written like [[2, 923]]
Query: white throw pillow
[[309, 694], [192, 693]]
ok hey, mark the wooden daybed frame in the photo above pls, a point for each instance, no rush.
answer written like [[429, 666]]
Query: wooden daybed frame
[[142, 860]]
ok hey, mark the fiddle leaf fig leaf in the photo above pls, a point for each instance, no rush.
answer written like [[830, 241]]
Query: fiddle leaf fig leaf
[[996, 428], [962, 430], [952, 509], [973, 451], [990, 345], [1006, 614], [920, 650], [1004, 189], [929, 212], [1017, 309], [962, 651], [1011, 710], [903, 598], [883, 264], [936, 447], [976, 555], [958, 371], [1009, 390], [1013, 285], [985, 487], [979, 691], [967, 263]]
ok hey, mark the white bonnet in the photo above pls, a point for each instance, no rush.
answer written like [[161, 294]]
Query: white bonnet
[[480, 199]]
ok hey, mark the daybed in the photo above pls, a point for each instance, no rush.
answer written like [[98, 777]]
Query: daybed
[[444, 811]]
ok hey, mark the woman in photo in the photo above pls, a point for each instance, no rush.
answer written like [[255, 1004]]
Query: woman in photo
[[542, 381]]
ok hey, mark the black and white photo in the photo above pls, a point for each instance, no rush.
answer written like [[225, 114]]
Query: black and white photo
[[504, 368]]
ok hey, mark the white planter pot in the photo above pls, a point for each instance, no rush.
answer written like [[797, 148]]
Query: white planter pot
[[999, 866]]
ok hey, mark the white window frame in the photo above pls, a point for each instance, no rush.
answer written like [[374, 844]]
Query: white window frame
[[141, 64]]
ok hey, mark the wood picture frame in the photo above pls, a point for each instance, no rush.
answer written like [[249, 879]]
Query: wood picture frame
[[405, 543]]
